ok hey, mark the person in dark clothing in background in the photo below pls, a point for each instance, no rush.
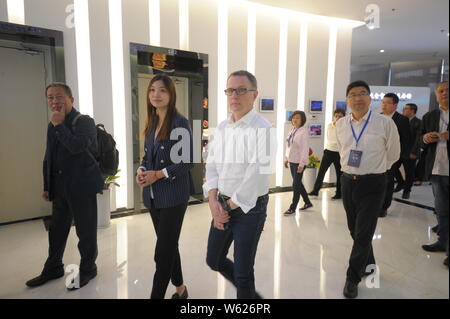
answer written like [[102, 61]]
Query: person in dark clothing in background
[[389, 108], [410, 111]]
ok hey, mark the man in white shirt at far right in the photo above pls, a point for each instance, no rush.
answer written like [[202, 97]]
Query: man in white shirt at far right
[[435, 142], [369, 144]]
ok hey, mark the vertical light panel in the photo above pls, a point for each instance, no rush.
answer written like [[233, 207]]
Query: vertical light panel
[[154, 14], [303, 51], [16, 11], [281, 107], [222, 60], [83, 47], [183, 7], [251, 39], [118, 95], [330, 84], [277, 248]]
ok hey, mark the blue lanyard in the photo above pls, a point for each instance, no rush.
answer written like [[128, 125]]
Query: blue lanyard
[[362, 131], [291, 136]]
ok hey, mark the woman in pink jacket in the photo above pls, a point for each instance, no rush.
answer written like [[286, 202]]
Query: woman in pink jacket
[[297, 157]]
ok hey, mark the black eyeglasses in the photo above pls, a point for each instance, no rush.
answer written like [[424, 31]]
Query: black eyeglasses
[[239, 91]]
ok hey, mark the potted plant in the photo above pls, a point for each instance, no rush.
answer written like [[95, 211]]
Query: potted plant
[[310, 173], [103, 201]]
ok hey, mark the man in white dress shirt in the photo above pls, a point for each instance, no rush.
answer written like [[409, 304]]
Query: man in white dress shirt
[[369, 144], [435, 142], [238, 185]]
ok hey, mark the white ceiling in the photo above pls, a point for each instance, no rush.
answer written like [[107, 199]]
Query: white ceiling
[[412, 31]]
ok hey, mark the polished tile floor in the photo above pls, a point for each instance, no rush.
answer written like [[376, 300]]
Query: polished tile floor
[[301, 256]]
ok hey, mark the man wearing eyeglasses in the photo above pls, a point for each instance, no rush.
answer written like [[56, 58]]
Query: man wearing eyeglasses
[[435, 140], [368, 146], [238, 187]]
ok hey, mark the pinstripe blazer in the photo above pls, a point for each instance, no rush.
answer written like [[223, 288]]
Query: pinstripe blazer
[[174, 190]]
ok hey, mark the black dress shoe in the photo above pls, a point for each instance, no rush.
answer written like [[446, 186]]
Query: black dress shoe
[[435, 229], [336, 197], [306, 206], [43, 278], [446, 261], [350, 289], [313, 193], [406, 195], [383, 213], [436, 247], [184, 295], [83, 281]]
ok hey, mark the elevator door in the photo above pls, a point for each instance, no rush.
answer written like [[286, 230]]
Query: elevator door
[[23, 127]]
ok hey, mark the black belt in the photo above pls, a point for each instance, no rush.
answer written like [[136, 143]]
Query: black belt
[[359, 177]]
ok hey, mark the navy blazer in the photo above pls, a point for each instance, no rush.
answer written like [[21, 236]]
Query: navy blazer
[[67, 155], [431, 123], [176, 189]]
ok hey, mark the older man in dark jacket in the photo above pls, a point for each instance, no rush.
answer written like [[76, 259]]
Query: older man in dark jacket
[[72, 179]]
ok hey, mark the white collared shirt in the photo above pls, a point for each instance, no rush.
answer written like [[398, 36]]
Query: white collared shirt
[[243, 180], [440, 166], [380, 143], [332, 144]]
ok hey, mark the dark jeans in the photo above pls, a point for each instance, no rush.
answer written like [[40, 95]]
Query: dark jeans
[[441, 202], [329, 158], [362, 200], [408, 165], [245, 230], [65, 208], [167, 223], [297, 187]]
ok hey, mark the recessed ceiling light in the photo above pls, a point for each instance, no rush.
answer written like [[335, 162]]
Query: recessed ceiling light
[[381, 51]]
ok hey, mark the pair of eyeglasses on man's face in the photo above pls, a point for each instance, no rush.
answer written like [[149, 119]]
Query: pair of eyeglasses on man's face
[[362, 94], [239, 91]]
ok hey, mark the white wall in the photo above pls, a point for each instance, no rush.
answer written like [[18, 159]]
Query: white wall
[[203, 37]]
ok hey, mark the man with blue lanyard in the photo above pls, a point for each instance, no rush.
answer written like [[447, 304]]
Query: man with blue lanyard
[[368, 144]]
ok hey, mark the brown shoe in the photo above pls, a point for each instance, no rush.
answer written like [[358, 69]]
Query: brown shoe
[[289, 212]]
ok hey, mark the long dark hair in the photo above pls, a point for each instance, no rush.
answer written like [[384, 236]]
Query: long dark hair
[[152, 116]]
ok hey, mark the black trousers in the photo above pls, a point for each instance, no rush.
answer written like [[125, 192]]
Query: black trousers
[[389, 194], [329, 157], [408, 165], [67, 207], [362, 198], [419, 172], [298, 187], [167, 223]]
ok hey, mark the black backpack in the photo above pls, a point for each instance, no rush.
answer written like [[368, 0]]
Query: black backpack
[[108, 155]]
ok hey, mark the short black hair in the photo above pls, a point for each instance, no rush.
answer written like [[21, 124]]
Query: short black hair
[[302, 117], [393, 96], [339, 111], [412, 107], [247, 74], [61, 85], [357, 84]]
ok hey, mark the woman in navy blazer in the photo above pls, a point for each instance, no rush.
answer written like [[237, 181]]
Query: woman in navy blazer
[[165, 176]]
